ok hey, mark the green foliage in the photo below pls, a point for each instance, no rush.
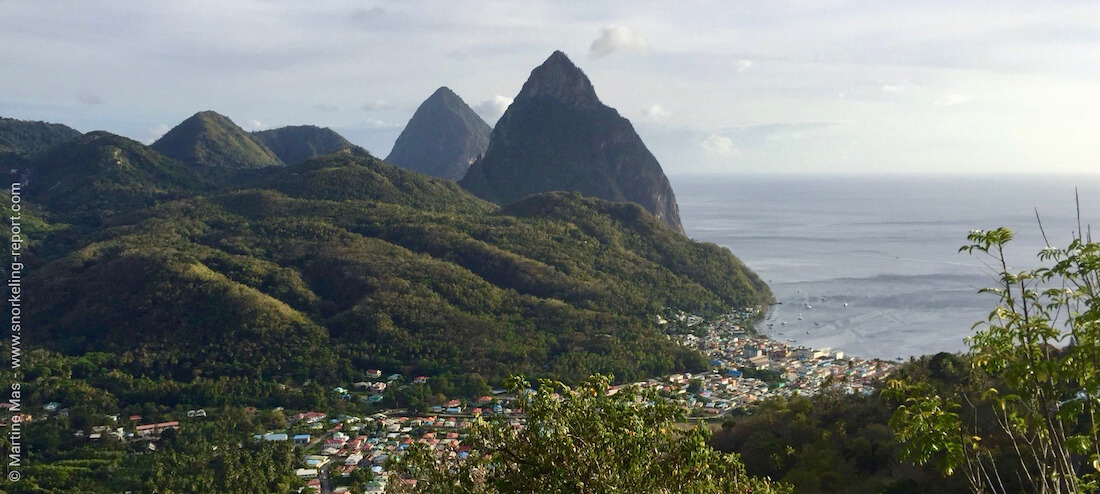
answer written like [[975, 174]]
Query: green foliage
[[213, 143], [215, 456], [585, 440], [829, 443], [298, 143], [22, 138], [99, 174], [404, 273], [1030, 411]]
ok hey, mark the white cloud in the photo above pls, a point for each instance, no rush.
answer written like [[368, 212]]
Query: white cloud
[[254, 125], [902, 87], [155, 132], [376, 105], [655, 112], [618, 39], [492, 108], [743, 65], [373, 123], [952, 99], [720, 146], [323, 108]]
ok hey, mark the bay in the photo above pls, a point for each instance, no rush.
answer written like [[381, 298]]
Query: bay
[[869, 265]]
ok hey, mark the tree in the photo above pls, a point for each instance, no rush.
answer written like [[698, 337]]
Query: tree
[[584, 440], [1032, 425]]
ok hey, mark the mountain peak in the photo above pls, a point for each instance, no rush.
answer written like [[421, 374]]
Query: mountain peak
[[557, 136], [443, 92], [210, 139], [442, 138], [560, 79], [297, 143]]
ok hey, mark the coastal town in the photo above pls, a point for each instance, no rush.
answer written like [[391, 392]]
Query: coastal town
[[351, 453]]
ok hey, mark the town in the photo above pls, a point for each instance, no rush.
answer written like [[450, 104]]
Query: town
[[349, 453]]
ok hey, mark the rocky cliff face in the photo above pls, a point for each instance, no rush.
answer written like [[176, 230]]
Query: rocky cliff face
[[443, 137], [557, 135]]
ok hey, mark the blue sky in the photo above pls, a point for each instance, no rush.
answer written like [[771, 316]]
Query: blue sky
[[712, 86]]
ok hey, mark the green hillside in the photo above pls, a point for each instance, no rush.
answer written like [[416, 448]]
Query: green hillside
[[344, 263], [213, 143], [25, 138], [298, 143], [100, 174]]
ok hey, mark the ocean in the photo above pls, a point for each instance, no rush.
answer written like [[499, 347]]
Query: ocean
[[869, 265]]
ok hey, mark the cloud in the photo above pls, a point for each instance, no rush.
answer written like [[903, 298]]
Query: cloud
[[743, 65], [155, 132], [323, 108], [654, 112], [902, 87], [373, 123], [952, 99], [378, 104], [492, 108], [89, 98], [254, 125], [720, 146], [618, 39], [457, 55]]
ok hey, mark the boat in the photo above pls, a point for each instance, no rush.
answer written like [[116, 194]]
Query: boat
[[845, 304]]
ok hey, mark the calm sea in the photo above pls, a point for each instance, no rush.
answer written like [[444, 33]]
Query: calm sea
[[869, 264]]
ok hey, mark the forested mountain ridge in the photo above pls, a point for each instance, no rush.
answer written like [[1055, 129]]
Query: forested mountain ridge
[[210, 140], [342, 263], [21, 140], [297, 143], [25, 137]]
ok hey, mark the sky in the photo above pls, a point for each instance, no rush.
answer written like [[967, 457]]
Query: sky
[[781, 86]]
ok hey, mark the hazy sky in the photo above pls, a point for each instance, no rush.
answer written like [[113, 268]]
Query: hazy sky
[[762, 86]]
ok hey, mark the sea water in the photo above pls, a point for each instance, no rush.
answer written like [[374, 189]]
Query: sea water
[[870, 265]]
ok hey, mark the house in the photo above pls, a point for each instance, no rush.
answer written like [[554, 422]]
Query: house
[[301, 439], [271, 436], [759, 361], [374, 373], [156, 429], [420, 380], [309, 417], [306, 473], [316, 461]]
